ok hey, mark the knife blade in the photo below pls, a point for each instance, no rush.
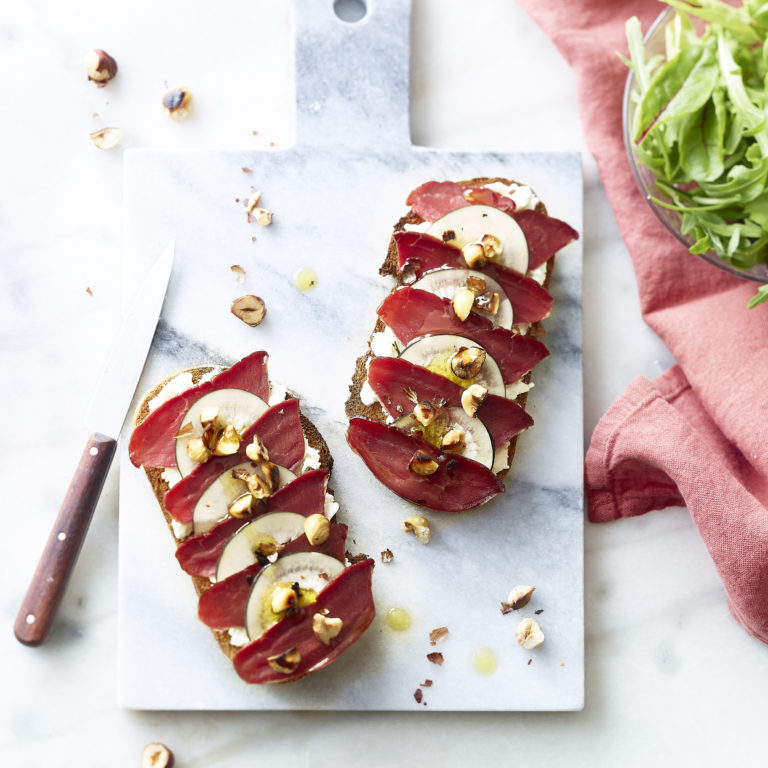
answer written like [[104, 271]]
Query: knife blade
[[105, 416]]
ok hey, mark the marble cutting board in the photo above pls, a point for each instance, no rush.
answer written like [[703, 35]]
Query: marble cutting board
[[336, 194]]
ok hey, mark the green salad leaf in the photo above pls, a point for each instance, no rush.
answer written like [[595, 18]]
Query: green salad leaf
[[700, 125]]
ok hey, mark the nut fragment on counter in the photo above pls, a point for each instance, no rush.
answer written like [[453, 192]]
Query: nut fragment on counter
[[326, 628], [238, 272], [263, 216], [436, 658], [156, 755], [177, 103], [317, 529], [518, 598], [529, 634], [250, 309], [437, 634], [419, 527], [101, 67], [252, 203], [106, 138], [387, 556]]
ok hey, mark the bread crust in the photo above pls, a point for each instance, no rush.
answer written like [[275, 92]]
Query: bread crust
[[389, 268], [160, 485]]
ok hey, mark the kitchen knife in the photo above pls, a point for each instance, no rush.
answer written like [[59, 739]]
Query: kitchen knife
[[106, 413]]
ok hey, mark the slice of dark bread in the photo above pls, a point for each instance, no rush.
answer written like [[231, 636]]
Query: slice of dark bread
[[389, 268], [160, 485]]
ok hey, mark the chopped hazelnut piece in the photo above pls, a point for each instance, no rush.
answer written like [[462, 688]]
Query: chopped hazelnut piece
[[325, 628], [437, 634], [488, 302], [241, 507], [436, 658], [283, 598], [419, 527], [529, 634], [197, 451], [286, 662], [228, 442], [156, 755], [474, 254], [263, 216], [101, 67], [472, 398], [462, 303], [253, 200], [466, 362], [209, 415], [257, 451], [387, 556], [239, 272], [425, 413], [492, 246], [106, 138], [187, 429], [476, 284], [177, 103], [250, 309], [317, 529], [423, 464], [454, 440], [519, 596]]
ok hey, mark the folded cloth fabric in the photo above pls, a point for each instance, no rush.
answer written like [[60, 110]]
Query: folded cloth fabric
[[696, 436]]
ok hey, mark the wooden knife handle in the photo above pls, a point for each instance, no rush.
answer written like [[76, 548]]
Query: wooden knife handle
[[42, 600]]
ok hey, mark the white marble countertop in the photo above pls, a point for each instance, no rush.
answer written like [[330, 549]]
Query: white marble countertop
[[670, 676]]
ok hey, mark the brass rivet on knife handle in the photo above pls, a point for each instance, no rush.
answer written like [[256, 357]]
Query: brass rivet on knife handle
[[44, 594]]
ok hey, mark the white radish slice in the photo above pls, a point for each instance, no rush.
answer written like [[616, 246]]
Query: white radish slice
[[212, 506], [263, 535], [471, 223], [312, 571], [445, 282], [435, 352], [236, 407], [477, 439]]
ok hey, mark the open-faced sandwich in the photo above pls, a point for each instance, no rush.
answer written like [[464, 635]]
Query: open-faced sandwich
[[241, 476], [438, 399]]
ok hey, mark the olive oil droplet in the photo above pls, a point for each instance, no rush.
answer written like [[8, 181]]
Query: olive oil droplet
[[485, 661], [305, 279], [398, 619]]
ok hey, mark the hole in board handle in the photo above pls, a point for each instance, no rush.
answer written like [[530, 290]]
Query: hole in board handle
[[350, 11]]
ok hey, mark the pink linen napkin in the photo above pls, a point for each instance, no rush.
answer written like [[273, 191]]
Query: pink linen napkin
[[695, 436]]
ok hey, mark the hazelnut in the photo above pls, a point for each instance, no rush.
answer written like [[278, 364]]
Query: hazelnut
[[454, 440], [425, 413], [253, 201], [250, 309], [529, 634], [488, 302], [101, 67], [263, 216], [209, 415], [156, 755], [177, 103], [197, 451], [286, 662], [241, 507], [228, 442], [475, 284], [326, 629], [472, 398], [474, 254], [283, 598], [422, 464], [317, 529], [238, 272], [466, 362], [187, 429], [519, 597], [419, 527], [106, 138], [257, 451], [492, 246], [271, 473], [462, 303]]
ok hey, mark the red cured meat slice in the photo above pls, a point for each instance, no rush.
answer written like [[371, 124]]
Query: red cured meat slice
[[153, 442], [410, 312], [545, 235], [420, 253], [279, 428], [458, 484], [391, 376], [348, 597], [223, 605], [434, 199], [305, 495]]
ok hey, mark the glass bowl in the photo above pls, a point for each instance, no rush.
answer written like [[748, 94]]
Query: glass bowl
[[654, 43]]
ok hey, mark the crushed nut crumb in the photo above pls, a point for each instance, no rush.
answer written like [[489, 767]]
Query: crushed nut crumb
[[239, 273], [387, 556], [427, 683], [418, 695], [246, 170], [356, 558], [437, 634], [436, 658], [89, 291]]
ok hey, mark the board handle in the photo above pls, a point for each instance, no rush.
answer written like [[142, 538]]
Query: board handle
[[353, 78], [47, 587]]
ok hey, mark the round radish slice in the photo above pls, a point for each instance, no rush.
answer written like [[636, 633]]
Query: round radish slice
[[212, 506], [259, 538], [473, 222], [312, 572], [453, 430], [435, 353], [236, 407], [445, 283]]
